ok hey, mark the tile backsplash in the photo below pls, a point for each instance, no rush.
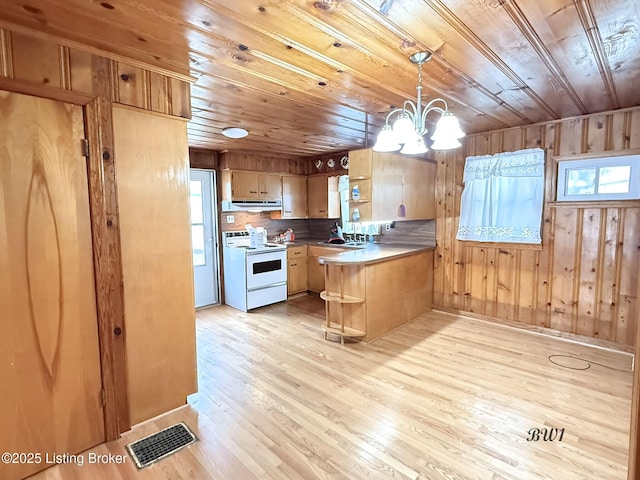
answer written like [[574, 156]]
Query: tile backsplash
[[419, 232]]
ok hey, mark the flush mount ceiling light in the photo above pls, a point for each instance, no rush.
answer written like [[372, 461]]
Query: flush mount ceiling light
[[234, 132], [408, 127]]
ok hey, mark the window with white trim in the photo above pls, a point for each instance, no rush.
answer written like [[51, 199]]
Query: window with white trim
[[610, 178]]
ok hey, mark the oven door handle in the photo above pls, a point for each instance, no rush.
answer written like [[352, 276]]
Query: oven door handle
[[264, 287]]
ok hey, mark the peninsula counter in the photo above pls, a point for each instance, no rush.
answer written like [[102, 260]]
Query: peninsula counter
[[374, 290]]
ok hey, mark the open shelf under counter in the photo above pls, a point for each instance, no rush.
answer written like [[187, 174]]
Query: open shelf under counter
[[334, 297], [337, 329]]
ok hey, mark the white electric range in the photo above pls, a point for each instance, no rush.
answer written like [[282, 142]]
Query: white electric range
[[253, 276]]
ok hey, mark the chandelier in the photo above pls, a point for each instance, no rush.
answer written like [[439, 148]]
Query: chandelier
[[408, 128]]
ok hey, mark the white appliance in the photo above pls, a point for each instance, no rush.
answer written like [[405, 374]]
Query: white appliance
[[251, 205], [254, 276]]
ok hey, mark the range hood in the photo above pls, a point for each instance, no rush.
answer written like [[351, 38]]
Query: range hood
[[251, 205]]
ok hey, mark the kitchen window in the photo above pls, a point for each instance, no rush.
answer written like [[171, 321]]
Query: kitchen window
[[502, 198], [611, 178]]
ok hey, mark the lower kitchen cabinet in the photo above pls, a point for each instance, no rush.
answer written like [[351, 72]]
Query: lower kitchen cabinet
[[315, 271], [297, 269]]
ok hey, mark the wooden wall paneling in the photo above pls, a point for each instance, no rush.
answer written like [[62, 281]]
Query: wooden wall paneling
[[588, 272], [81, 72], [633, 471], [461, 251], [564, 257], [450, 232], [533, 137], [108, 267], [496, 141], [129, 85], [608, 266], [35, 60], [549, 135], [619, 128], [580, 282], [153, 191], [505, 284], [107, 249], [449, 229], [441, 239], [180, 98], [6, 50], [628, 280], [632, 132], [491, 283], [207, 159], [158, 92], [598, 132], [527, 286], [512, 140], [570, 138], [264, 163], [476, 273]]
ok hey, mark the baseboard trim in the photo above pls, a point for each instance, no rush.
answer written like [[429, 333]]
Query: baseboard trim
[[571, 337]]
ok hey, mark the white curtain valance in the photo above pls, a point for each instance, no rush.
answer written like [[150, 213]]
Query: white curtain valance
[[502, 197]]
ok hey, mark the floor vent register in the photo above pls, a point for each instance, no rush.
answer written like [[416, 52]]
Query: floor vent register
[[153, 448]]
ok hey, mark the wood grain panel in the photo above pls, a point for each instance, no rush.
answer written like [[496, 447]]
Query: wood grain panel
[[81, 66], [206, 159], [579, 282], [49, 357], [40, 62], [589, 272], [628, 281], [153, 194], [130, 85], [158, 92], [35, 60]]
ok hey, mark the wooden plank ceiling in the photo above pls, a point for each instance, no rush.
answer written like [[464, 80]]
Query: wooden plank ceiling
[[309, 77]]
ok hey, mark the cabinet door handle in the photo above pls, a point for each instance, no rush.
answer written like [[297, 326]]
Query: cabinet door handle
[[297, 253], [252, 191], [294, 264], [287, 211], [323, 211]]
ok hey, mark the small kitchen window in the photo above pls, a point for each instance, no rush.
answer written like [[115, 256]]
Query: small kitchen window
[[610, 178]]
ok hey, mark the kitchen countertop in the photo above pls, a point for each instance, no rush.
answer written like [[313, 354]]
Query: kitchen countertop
[[373, 253]]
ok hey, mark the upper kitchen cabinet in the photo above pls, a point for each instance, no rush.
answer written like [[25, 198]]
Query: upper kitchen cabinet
[[323, 198], [391, 186], [238, 185], [294, 196]]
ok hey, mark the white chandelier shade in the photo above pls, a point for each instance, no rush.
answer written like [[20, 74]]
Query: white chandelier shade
[[406, 131]]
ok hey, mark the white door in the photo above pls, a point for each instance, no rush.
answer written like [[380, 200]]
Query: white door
[[203, 234]]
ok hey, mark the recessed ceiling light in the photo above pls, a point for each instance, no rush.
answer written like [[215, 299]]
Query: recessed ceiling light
[[234, 132]]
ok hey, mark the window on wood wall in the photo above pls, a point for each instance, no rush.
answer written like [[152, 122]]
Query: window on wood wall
[[611, 178], [502, 197]]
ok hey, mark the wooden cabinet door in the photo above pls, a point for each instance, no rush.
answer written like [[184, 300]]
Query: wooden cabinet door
[[317, 196], [315, 275], [323, 198], [269, 186], [297, 275], [244, 185], [50, 375], [294, 196]]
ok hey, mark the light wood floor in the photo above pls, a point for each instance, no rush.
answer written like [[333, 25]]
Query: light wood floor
[[442, 398]]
